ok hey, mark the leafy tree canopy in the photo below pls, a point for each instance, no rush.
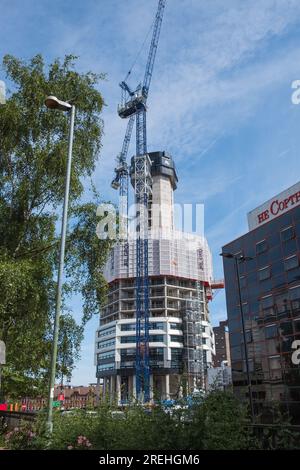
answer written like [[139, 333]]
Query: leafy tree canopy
[[33, 154]]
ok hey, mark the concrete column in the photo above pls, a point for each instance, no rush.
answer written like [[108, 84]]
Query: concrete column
[[111, 388], [118, 388], [133, 386], [104, 388], [167, 386], [151, 387]]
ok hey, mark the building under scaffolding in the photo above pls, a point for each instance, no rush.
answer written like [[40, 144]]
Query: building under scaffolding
[[181, 340]]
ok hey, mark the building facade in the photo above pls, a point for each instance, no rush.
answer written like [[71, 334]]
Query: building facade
[[269, 280], [180, 273], [222, 344]]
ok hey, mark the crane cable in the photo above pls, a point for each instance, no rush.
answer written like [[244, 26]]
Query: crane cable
[[140, 51]]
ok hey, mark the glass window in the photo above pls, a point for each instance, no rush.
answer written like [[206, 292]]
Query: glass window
[[291, 262], [294, 293], [157, 326], [297, 325], [106, 367], [107, 355], [274, 362], [261, 247], [128, 327], [128, 339], [286, 328], [271, 331], [176, 338], [249, 336], [267, 302], [287, 233], [264, 273], [175, 326], [128, 352], [156, 338], [106, 332], [282, 304], [106, 344]]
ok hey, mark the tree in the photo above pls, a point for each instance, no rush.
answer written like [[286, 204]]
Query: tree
[[33, 152]]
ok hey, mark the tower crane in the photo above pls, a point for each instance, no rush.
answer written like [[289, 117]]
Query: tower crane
[[134, 106]]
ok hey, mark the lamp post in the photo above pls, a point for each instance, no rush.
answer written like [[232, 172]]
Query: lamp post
[[54, 103], [240, 259]]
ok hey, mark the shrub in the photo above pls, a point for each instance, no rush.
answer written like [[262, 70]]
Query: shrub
[[21, 437]]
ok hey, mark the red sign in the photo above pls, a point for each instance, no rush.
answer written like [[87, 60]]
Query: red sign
[[275, 207], [61, 397], [3, 407]]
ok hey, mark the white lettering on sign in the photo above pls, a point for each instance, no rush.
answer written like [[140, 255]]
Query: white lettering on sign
[[275, 207]]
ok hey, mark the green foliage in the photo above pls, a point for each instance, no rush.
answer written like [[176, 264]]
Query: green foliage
[[279, 435], [21, 437], [33, 154], [217, 422]]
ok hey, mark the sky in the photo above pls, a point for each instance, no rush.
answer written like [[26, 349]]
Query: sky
[[220, 99]]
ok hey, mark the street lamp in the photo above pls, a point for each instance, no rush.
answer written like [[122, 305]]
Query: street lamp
[[239, 258], [54, 103]]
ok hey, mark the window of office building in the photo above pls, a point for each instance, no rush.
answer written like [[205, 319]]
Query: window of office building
[[157, 326], [264, 273], [291, 263], [106, 344], [274, 362], [104, 367], [106, 332], [294, 295], [297, 325], [287, 234], [106, 355], [261, 247], [128, 327], [128, 352], [176, 338], [267, 302], [282, 304], [175, 326], [271, 331], [286, 328], [152, 339], [248, 334]]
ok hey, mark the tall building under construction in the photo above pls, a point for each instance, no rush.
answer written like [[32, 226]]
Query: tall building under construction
[[181, 340]]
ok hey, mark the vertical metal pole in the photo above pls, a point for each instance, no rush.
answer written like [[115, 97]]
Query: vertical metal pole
[[60, 273], [245, 341]]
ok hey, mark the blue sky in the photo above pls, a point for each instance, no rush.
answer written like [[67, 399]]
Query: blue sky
[[220, 99]]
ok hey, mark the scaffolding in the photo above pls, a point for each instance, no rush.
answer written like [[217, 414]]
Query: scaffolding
[[193, 354]]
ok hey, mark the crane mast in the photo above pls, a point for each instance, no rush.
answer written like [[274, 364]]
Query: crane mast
[[133, 106]]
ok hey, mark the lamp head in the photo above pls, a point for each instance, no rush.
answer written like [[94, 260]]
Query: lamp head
[[54, 103]]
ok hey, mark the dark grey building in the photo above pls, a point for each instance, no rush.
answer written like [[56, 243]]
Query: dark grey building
[[270, 293], [222, 344]]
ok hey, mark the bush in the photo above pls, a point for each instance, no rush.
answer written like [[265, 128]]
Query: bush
[[21, 437], [217, 422]]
